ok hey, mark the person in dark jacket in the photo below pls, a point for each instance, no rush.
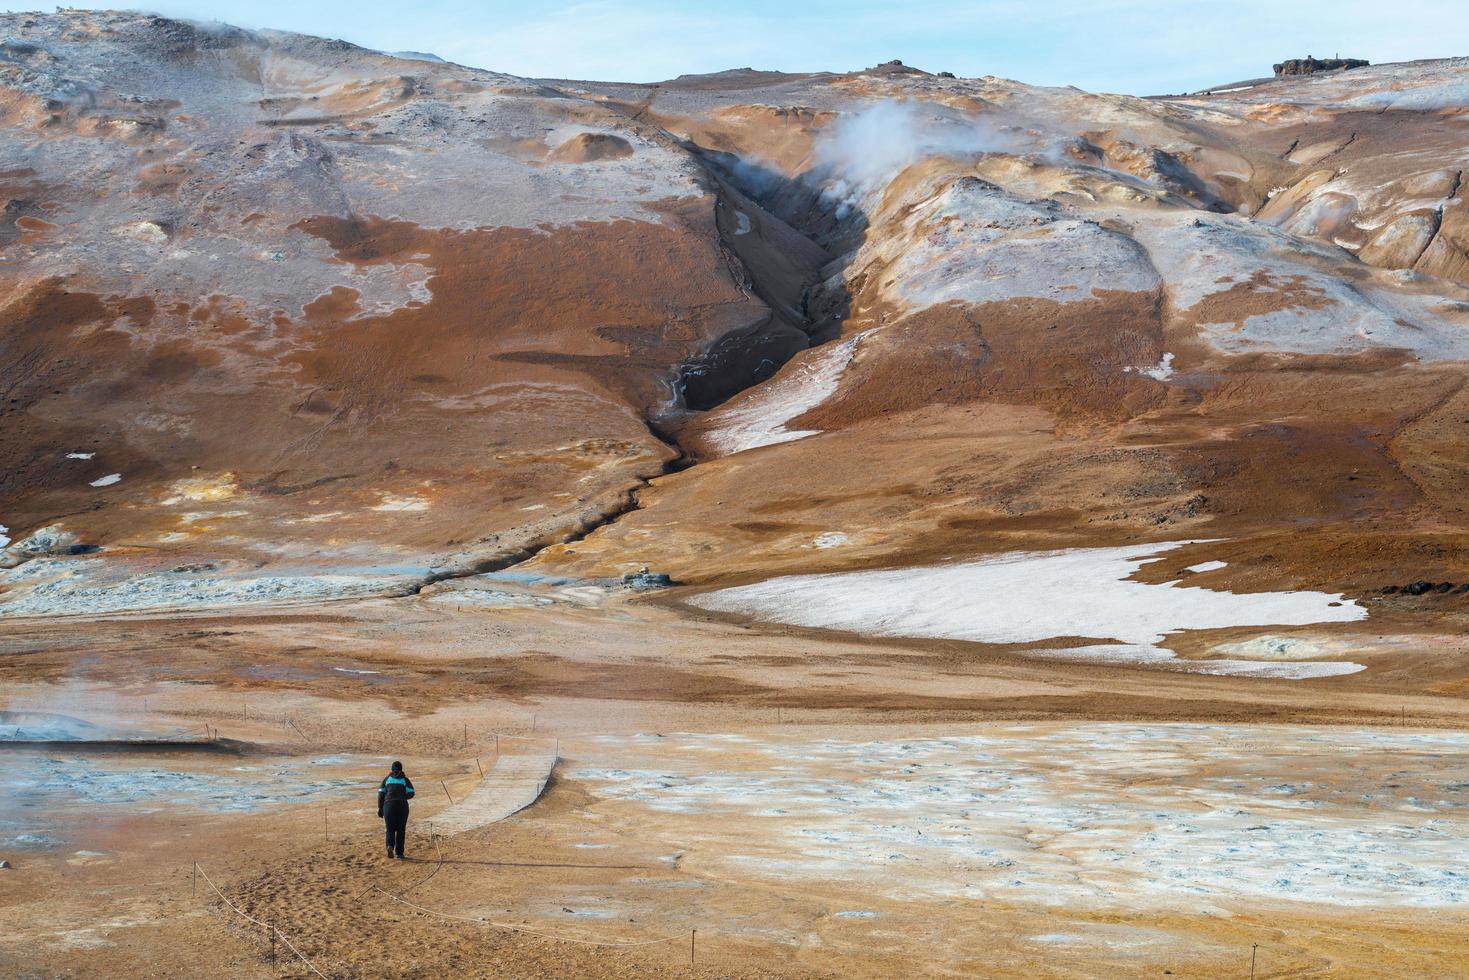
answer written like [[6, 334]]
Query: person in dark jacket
[[392, 805]]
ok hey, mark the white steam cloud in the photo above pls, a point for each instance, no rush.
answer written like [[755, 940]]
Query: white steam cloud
[[865, 150]]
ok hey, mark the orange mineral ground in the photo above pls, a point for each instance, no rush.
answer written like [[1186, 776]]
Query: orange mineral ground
[[866, 524]]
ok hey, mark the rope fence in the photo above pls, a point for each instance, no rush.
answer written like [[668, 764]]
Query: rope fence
[[422, 881], [437, 868], [275, 933], [505, 925]]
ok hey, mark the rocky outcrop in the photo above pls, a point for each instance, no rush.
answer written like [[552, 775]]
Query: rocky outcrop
[[1310, 66], [895, 67]]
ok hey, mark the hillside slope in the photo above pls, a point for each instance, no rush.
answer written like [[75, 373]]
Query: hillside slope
[[271, 300], [289, 319]]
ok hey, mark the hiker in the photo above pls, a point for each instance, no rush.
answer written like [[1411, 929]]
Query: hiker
[[392, 805]]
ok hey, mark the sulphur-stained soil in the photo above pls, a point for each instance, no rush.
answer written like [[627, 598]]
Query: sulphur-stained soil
[[934, 526]]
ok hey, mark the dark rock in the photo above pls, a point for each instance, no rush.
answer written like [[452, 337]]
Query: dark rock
[[1417, 588], [644, 579], [1463, 587], [1310, 66], [1443, 587], [895, 67], [1390, 590], [945, 74], [741, 358]]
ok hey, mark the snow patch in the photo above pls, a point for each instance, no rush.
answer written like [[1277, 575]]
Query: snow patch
[[1124, 653], [831, 539], [742, 223], [400, 502], [1208, 566], [80, 455], [108, 480], [760, 420], [1161, 371], [1025, 597]]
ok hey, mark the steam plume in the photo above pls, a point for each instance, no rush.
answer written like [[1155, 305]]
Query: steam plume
[[863, 151]]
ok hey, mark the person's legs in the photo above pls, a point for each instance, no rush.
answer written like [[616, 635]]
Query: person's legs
[[402, 830], [388, 824], [397, 818]]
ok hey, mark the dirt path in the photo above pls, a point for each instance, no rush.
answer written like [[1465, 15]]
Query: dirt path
[[516, 780]]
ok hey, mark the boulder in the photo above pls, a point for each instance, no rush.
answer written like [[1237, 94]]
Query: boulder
[[48, 541], [644, 579]]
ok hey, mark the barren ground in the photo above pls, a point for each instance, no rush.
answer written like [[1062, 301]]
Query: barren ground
[[1063, 497], [811, 805]]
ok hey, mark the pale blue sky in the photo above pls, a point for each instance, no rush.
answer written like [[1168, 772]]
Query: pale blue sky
[[1137, 46]]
